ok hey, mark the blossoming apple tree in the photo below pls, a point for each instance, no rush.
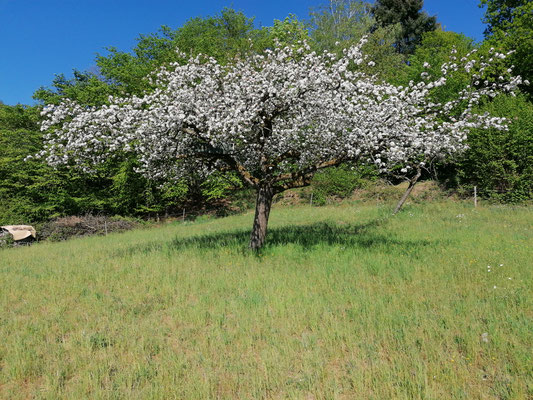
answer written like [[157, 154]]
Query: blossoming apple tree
[[273, 118]]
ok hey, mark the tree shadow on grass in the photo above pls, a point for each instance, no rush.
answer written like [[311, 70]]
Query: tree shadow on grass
[[308, 236]]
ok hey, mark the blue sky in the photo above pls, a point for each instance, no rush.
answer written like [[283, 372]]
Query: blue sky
[[40, 38]]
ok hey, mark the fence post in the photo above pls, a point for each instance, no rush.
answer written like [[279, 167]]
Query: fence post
[[183, 217], [475, 196], [311, 198]]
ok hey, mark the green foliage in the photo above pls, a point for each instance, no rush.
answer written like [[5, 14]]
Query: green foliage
[[497, 162], [222, 36], [240, 201], [23, 185], [500, 163], [436, 48], [126, 71], [510, 27], [31, 191], [84, 87], [380, 49], [19, 117], [409, 14], [340, 182], [340, 24], [132, 194], [220, 184], [290, 31], [500, 14]]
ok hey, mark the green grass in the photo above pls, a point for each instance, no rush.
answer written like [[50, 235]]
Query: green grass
[[344, 302]]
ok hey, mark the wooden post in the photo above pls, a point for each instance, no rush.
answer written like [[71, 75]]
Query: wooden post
[[183, 216], [105, 227], [475, 196], [311, 198]]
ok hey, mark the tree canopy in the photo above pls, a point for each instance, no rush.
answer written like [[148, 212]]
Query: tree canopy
[[409, 14], [510, 27], [273, 118]]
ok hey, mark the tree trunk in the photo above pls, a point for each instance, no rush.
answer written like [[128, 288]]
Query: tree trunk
[[412, 184], [262, 211]]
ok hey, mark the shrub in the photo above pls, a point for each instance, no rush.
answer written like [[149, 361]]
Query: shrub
[[500, 163], [239, 201], [340, 182]]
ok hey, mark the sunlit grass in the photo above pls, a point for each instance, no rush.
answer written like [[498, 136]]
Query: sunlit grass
[[344, 302]]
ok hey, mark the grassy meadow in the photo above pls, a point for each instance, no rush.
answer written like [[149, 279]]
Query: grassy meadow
[[345, 302]]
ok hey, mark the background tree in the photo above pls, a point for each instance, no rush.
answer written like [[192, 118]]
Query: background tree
[[409, 14], [382, 58], [437, 48], [84, 87], [340, 24], [510, 27], [290, 31], [29, 191]]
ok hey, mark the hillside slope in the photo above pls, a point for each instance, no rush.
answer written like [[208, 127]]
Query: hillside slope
[[344, 302]]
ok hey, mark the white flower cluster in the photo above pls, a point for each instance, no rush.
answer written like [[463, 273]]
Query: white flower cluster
[[274, 118]]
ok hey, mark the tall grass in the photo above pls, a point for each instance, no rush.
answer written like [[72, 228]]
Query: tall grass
[[343, 302]]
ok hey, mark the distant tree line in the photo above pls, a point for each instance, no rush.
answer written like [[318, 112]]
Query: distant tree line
[[402, 39]]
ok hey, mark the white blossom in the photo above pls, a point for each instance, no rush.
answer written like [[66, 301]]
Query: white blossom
[[273, 118]]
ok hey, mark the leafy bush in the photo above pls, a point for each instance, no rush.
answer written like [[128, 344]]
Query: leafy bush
[[500, 163], [340, 182], [240, 201], [220, 185]]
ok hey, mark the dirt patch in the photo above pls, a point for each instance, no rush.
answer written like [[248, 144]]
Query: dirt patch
[[379, 191], [80, 226]]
